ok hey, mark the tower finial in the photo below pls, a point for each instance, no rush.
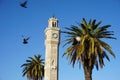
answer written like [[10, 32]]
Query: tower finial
[[53, 16]]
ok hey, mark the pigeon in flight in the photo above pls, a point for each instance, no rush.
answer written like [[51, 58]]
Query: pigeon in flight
[[25, 40], [23, 4]]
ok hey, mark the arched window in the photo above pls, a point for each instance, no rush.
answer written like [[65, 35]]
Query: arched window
[[53, 24]]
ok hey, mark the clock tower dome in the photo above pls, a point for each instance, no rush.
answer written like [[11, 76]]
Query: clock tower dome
[[52, 40]]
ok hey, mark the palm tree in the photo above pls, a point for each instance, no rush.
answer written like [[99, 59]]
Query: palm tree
[[34, 68], [86, 45]]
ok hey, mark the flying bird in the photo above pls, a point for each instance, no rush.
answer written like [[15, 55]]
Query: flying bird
[[76, 40], [25, 40], [23, 4]]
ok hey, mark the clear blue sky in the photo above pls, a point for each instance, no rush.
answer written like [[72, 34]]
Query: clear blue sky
[[16, 21]]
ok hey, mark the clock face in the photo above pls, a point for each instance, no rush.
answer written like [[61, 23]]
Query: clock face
[[54, 35]]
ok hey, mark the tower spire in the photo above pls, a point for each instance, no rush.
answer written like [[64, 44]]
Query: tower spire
[[53, 16]]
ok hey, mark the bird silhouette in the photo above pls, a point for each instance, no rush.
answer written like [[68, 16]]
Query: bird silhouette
[[23, 4], [25, 40], [76, 40]]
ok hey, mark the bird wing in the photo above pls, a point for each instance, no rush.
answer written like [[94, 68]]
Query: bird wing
[[25, 2], [27, 38]]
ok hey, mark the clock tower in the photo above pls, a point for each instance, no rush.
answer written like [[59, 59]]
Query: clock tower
[[52, 34]]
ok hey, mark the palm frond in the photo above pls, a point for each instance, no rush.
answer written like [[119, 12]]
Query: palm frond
[[107, 47], [106, 56], [93, 23], [96, 64], [97, 25], [68, 41], [84, 22]]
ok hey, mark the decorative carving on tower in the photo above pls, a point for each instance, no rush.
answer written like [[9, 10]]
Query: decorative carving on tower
[[52, 34]]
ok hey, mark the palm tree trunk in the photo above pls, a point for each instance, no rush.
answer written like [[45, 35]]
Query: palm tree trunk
[[88, 73]]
